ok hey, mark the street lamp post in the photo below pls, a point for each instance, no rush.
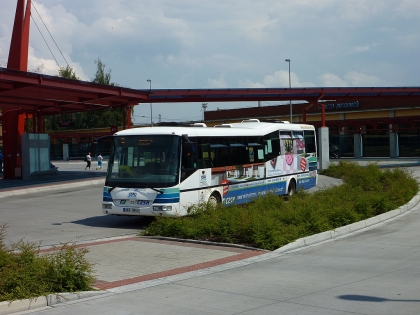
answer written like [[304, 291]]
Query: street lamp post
[[151, 111], [290, 86]]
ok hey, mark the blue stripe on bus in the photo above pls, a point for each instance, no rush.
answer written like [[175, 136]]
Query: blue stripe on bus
[[164, 196], [237, 195], [306, 183], [107, 196], [247, 194]]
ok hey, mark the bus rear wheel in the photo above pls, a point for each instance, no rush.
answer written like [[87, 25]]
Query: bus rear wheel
[[292, 188]]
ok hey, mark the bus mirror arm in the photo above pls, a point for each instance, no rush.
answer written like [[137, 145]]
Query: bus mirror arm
[[186, 139], [111, 189]]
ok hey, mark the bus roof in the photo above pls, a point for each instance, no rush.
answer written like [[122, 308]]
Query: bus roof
[[251, 127]]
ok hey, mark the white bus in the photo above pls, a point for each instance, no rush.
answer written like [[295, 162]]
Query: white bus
[[164, 170]]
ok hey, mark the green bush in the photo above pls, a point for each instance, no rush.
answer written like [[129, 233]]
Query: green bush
[[26, 273], [270, 222]]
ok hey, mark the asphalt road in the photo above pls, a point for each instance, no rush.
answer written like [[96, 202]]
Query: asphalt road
[[72, 214], [62, 216], [373, 271]]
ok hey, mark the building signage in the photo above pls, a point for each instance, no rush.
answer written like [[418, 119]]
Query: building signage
[[355, 104]]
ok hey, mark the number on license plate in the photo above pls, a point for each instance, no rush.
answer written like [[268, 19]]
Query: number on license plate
[[133, 210]]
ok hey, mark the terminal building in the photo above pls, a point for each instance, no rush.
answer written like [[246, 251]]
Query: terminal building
[[359, 128]]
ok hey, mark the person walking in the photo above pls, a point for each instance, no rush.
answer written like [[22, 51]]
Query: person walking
[[100, 158], [88, 161]]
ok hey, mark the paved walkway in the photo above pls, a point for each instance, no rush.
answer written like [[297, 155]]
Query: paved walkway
[[129, 260]]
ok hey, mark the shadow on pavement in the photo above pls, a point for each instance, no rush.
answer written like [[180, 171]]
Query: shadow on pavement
[[109, 221]]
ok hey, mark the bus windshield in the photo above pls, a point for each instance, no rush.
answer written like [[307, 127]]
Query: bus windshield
[[144, 161]]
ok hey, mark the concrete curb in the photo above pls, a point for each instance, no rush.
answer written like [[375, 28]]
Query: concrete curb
[[8, 307], [348, 229]]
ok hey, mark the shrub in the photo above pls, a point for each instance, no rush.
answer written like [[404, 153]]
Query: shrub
[[27, 273], [270, 222]]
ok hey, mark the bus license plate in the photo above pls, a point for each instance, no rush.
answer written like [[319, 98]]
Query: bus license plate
[[132, 210]]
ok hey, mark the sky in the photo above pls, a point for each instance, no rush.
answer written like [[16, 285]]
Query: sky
[[223, 44]]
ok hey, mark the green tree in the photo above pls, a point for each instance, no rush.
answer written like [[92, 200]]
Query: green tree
[[102, 77], [110, 116], [67, 72], [91, 119], [52, 123]]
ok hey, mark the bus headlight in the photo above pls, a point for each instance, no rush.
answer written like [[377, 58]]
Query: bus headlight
[[107, 206], [162, 208]]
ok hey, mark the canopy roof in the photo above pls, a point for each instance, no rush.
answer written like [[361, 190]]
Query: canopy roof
[[50, 95], [54, 95]]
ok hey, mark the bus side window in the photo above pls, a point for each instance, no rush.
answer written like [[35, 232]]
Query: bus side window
[[255, 149], [310, 146], [286, 142], [298, 142], [203, 156], [271, 145], [219, 151], [189, 156], [238, 151]]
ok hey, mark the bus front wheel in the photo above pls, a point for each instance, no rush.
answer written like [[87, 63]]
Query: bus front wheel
[[215, 199], [292, 188]]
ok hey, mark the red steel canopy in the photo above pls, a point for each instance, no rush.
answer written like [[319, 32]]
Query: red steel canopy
[[280, 94], [50, 95]]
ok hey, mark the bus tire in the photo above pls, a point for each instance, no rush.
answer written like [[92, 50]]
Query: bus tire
[[215, 199], [291, 189]]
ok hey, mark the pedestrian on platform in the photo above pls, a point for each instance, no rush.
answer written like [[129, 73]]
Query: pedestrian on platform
[[100, 158], [88, 160]]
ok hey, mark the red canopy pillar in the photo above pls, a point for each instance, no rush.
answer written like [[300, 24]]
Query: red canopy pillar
[[13, 128], [13, 117]]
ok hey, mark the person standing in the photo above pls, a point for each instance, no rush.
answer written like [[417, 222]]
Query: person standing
[[100, 158], [88, 161]]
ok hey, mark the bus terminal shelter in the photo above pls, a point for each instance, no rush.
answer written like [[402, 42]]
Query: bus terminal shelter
[[27, 98]]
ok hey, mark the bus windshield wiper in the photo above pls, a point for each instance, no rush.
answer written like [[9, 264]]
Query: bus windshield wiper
[[159, 191]]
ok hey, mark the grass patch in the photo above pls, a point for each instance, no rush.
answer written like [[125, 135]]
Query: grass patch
[[271, 221], [27, 273]]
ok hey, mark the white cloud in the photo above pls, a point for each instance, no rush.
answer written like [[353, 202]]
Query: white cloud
[[361, 48], [281, 79], [218, 83], [362, 79], [227, 44], [351, 78], [331, 80]]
